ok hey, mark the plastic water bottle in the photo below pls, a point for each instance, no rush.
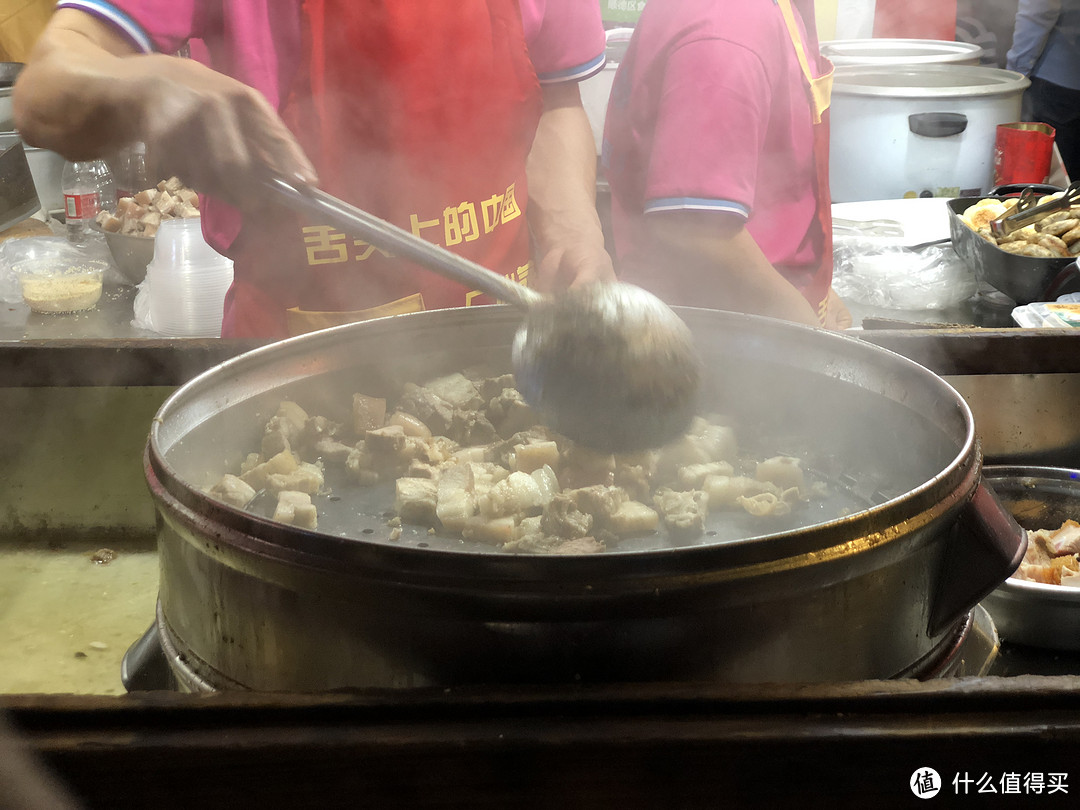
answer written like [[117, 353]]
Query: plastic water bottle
[[129, 170], [88, 188]]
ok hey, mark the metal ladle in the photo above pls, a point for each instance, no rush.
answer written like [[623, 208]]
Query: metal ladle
[[607, 365]]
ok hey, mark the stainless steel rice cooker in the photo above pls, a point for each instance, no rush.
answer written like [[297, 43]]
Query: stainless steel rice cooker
[[918, 130]]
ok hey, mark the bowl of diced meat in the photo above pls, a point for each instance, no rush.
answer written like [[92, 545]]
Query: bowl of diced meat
[[129, 229], [1039, 605]]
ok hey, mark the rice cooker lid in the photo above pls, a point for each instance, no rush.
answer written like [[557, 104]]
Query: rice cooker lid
[[927, 81], [895, 51]]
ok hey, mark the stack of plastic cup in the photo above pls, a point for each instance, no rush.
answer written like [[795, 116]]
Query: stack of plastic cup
[[188, 280]]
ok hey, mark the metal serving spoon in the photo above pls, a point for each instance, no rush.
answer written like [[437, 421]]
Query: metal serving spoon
[[607, 365]]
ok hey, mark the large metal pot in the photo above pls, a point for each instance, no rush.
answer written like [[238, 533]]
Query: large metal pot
[[875, 593]]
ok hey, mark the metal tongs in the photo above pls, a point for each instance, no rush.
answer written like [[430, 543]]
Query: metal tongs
[[1027, 210]]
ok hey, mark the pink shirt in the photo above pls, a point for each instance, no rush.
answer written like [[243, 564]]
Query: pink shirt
[[258, 42], [709, 111]]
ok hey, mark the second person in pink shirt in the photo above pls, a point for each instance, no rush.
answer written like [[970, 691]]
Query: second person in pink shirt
[[716, 151]]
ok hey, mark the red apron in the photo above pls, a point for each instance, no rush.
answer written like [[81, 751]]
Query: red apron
[[421, 112], [815, 287]]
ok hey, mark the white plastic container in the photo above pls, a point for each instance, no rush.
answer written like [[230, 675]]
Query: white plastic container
[[894, 51], [61, 283], [187, 281], [918, 130]]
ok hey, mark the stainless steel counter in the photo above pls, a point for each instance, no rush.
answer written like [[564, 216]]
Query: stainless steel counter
[[113, 320], [110, 319], [113, 317]]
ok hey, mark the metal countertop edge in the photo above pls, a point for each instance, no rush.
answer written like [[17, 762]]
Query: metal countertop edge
[[148, 362], [975, 351], [113, 362]]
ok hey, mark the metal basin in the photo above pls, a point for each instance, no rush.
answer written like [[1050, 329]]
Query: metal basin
[[131, 253], [1035, 613]]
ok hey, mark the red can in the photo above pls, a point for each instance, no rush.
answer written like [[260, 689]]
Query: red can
[[1022, 152]]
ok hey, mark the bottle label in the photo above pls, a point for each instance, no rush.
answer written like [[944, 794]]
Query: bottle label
[[82, 206]]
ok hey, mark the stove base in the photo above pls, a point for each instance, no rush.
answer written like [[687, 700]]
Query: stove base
[[154, 662]]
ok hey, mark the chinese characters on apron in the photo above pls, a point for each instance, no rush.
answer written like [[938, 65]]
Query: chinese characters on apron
[[431, 134]]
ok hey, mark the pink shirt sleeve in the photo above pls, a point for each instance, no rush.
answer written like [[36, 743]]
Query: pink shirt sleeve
[[257, 42], [565, 38], [150, 25], [713, 112]]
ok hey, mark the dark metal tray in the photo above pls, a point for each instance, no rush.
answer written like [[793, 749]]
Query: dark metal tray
[[1023, 278]]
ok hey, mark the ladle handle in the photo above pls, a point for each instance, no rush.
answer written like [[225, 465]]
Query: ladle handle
[[312, 202]]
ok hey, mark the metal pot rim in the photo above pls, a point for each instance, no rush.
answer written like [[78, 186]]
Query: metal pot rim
[[765, 549]]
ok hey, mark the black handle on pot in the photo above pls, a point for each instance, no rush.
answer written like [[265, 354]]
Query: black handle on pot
[[986, 546], [937, 124], [144, 666], [1066, 281]]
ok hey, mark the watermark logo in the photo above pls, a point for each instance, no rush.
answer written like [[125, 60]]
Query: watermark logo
[[925, 783]]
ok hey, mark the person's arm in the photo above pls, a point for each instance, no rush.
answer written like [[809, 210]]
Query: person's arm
[[86, 92], [1035, 19], [708, 259], [568, 240]]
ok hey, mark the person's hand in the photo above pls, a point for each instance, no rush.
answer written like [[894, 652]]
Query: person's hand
[[85, 93], [573, 265], [837, 315], [217, 134]]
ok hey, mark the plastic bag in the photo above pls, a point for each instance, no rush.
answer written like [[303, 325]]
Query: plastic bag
[[141, 306], [879, 273]]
